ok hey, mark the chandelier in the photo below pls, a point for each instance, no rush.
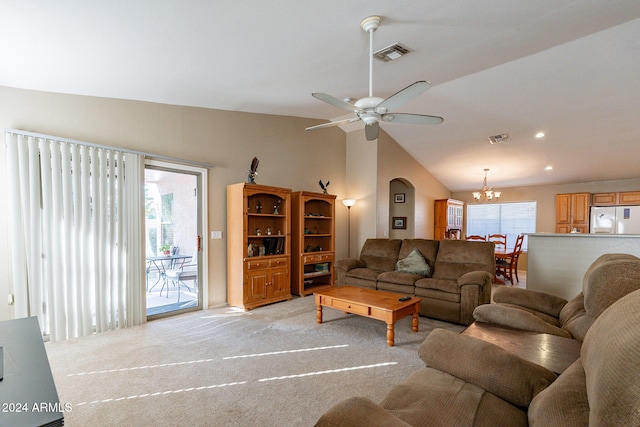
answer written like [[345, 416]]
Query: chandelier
[[487, 194]]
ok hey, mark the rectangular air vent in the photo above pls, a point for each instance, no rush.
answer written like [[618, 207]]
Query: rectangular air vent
[[392, 52], [499, 139]]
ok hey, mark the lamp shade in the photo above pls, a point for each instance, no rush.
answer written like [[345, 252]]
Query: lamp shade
[[348, 202]]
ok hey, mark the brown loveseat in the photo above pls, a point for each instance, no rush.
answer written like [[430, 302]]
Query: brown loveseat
[[455, 278], [609, 278], [469, 382]]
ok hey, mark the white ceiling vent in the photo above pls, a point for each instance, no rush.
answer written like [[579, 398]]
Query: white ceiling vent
[[392, 52], [499, 139]]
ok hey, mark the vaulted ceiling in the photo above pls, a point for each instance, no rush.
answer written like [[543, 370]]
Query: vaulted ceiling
[[568, 68]]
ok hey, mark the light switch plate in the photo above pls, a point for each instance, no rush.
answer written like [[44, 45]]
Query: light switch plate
[[216, 235]]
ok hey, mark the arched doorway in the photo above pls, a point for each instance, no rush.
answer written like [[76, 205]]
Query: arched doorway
[[401, 209]]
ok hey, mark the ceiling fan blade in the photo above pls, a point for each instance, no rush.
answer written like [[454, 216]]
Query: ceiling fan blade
[[371, 131], [405, 95], [413, 119], [334, 101], [339, 122]]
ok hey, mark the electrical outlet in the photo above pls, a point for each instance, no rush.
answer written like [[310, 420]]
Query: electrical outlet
[[216, 235], [10, 299]]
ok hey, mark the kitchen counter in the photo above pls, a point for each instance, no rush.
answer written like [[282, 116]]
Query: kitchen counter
[[557, 262]]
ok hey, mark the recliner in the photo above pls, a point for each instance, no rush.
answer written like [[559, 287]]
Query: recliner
[[609, 278]]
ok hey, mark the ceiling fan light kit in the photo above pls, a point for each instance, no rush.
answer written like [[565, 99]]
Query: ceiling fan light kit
[[373, 109]]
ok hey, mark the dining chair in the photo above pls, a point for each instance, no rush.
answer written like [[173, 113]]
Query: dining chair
[[506, 267], [500, 241], [476, 237], [187, 270]]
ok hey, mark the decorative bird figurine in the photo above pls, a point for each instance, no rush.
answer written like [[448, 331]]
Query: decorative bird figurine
[[324, 186], [251, 178]]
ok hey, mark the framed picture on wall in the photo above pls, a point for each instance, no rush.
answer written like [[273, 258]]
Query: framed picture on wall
[[399, 222], [398, 198]]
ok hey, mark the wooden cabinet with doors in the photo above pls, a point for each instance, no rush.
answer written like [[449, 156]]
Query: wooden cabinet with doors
[[572, 212], [313, 242], [604, 199], [258, 245], [616, 199], [629, 198], [448, 221]]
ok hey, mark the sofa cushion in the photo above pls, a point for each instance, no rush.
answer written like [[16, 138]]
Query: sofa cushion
[[610, 357], [609, 278], [513, 379], [399, 277], [564, 403], [457, 257], [414, 263], [364, 277], [358, 412], [443, 285], [428, 249], [427, 397], [380, 254]]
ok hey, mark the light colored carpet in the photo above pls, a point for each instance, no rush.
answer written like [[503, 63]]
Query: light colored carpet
[[271, 366]]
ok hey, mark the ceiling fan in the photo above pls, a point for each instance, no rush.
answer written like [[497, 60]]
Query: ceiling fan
[[372, 109]]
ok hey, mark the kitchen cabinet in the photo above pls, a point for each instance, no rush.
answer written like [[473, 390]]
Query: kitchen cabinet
[[572, 212], [629, 198]]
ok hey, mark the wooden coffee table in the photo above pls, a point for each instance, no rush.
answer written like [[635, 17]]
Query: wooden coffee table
[[378, 305], [551, 351]]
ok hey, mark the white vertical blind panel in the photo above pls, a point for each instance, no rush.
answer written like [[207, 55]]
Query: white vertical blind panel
[[77, 259]]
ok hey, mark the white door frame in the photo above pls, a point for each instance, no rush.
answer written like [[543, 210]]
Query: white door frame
[[202, 200]]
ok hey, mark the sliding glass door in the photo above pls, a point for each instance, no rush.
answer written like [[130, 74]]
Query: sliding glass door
[[173, 246]]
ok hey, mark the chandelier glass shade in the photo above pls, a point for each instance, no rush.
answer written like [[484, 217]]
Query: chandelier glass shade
[[487, 194]]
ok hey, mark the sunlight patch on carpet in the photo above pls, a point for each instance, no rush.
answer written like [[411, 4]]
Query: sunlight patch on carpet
[[330, 371], [271, 353], [161, 393]]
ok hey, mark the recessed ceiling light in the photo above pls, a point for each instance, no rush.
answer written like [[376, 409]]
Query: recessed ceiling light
[[548, 168], [540, 135]]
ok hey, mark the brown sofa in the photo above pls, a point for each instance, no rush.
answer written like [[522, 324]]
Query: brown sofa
[[458, 279], [469, 382], [609, 278]]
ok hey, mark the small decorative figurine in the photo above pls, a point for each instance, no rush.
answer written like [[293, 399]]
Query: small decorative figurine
[[251, 178], [276, 206], [268, 231], [258, 232], [259, 207], [324, 186], [250, 250]]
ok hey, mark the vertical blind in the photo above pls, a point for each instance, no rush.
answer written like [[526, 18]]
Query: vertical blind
[[76, 253]]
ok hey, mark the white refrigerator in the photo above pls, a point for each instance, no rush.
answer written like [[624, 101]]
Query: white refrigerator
[[615, 220]]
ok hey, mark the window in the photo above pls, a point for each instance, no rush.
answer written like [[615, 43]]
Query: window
[[502, 218]]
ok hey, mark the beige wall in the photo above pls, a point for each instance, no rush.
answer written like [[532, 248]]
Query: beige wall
[[395, 163], [289, 156]]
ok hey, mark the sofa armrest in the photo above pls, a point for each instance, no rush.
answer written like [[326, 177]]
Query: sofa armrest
[[485, 365], [343, 266], [359, 412], [347, 264], [534, 300], [517, 319], [479, 278]]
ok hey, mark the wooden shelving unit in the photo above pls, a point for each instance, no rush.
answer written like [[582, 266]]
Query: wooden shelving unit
[[313, 247], [448, 219], [258, 245]]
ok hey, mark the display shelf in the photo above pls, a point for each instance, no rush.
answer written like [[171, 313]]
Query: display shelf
[[313, 241]]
